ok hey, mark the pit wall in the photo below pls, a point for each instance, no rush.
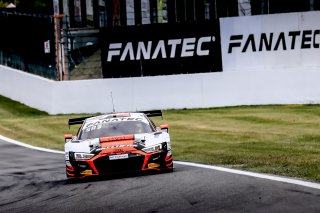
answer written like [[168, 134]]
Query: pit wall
[[280, 75]]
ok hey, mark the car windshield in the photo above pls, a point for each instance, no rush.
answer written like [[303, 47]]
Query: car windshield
[[114, 129]]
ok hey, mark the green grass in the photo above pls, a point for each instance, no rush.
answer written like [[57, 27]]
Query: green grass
[[34, 127], [274, 139]]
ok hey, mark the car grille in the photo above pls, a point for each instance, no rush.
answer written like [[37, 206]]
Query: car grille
[[106, 166]]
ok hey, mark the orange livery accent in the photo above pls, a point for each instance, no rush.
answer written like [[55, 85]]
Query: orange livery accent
[[169, 158], [69, 136], [69, 168], [70, 174], [164, 126], [170, 164], [117, 138]]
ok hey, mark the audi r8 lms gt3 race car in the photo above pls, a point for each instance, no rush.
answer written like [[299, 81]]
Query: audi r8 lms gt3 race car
[[117, 142]]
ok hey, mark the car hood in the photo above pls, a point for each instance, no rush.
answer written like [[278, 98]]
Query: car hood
[[144, 140]]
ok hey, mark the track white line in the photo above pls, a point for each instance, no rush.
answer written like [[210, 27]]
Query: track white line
[[253, 174], [233, 171], [9, 140]]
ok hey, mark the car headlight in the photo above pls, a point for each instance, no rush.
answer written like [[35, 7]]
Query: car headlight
[[82, 156], [155, 148]]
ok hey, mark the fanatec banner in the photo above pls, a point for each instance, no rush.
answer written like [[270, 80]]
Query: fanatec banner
[[266, 42], [160, 49]]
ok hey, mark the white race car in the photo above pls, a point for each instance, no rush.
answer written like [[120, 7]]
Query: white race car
[[117, 142]]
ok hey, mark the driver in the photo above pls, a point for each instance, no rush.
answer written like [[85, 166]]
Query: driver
[[139, 128]]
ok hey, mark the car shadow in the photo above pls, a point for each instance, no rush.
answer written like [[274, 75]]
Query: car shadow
[[121, 175]]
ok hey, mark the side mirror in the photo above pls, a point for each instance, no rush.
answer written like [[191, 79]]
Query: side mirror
[[164, 128], [67, 138]]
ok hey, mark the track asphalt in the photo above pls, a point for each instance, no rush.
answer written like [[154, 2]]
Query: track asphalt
[[34, 181]]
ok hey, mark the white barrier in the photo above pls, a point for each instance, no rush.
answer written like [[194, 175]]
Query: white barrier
[[292, 86], [29, 89]]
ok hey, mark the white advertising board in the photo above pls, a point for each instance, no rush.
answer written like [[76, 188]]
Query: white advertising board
[[265, 42]]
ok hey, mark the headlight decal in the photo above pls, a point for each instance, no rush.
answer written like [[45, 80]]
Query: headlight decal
[[68, 163], [67, 155], [156, 148], [82, 156]]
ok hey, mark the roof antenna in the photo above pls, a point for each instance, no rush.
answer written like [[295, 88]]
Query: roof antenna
[[113, 110]]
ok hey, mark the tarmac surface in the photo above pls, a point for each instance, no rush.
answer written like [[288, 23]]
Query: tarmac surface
[[35, 181]]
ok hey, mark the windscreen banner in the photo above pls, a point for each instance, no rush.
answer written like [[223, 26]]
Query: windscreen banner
[[266, 42], [160, 49]]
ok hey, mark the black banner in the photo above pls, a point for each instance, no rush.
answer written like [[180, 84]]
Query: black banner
[[22, 43], [160, 49]]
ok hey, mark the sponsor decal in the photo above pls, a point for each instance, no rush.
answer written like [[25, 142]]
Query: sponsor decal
[[149, 50], [99, 123], [153, 165], [117, 138], [119, 146], [117, 150], [103, 121], [118, 157], [303, 39], [86, 172]]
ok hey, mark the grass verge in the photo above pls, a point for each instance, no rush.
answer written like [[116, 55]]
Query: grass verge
[[274, 139]]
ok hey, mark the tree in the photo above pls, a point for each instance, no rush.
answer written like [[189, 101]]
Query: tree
[[3, 4], [33, 4]]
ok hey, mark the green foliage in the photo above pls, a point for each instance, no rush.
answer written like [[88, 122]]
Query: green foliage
[[33, 4], [3, 4], [40, 4]]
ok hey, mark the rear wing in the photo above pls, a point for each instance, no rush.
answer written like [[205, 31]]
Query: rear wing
[[74, 121], [152, 113]]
